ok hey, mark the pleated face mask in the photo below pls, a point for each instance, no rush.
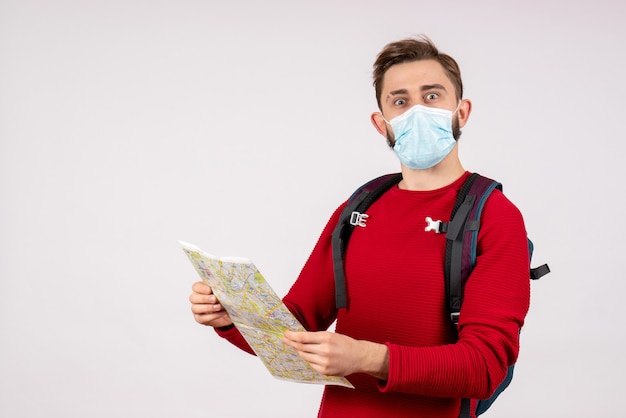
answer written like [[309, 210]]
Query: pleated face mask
[[423, 136]]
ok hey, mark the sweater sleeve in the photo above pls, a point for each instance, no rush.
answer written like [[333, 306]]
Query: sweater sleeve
[[312, 297], [234, 337], [496, 300]]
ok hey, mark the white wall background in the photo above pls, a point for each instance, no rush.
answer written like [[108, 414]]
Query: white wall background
[[239, 126]]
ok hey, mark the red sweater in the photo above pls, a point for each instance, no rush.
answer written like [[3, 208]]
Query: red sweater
[[394, 277]]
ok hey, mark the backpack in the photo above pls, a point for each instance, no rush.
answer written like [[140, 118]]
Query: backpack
[[460, 254]]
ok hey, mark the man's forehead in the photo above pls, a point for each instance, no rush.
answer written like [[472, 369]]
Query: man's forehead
[[422, 75]]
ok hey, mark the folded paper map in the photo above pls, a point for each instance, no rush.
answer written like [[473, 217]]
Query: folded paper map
[[258, 313]]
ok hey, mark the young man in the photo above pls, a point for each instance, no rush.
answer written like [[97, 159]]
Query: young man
[[395, 341]]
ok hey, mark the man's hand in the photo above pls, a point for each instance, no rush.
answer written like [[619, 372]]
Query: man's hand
[[206, 309], [335, 354]]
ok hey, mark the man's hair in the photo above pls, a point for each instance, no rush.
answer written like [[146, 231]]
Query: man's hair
[[414, 49]]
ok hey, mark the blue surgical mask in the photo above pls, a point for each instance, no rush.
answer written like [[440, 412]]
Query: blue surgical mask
[[423, 136]]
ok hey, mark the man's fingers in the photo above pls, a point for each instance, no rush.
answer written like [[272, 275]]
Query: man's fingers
[[208, 318], [312, 343], [307, 337], [201, 308], [201, 287], [202, 298], [299, 337]]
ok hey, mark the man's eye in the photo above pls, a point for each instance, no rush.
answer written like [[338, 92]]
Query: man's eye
[[432, 96], [399, 102]]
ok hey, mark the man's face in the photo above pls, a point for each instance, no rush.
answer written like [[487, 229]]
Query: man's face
[[419, 82]]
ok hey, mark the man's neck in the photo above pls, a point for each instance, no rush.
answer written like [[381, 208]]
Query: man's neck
[[441, 175]]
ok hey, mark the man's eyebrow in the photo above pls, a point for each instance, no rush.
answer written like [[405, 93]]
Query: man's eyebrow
[[425, 87], [397, 92], [432, 87]]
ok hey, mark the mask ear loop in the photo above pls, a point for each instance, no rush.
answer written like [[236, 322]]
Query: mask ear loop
[[457, 107]]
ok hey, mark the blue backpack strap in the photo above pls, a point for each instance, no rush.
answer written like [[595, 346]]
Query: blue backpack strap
[[461, 240], [357, 204], [462, 236]]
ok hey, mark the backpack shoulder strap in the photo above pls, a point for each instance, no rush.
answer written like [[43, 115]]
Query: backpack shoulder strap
[[461, 243], [461, 238], [351, 216]]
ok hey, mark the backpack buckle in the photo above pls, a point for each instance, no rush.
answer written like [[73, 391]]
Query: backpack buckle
[[454, 316], [358, 219], [433, 225]]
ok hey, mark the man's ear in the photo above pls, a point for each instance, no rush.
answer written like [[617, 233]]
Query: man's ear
[[379, 123], [465, 108]]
